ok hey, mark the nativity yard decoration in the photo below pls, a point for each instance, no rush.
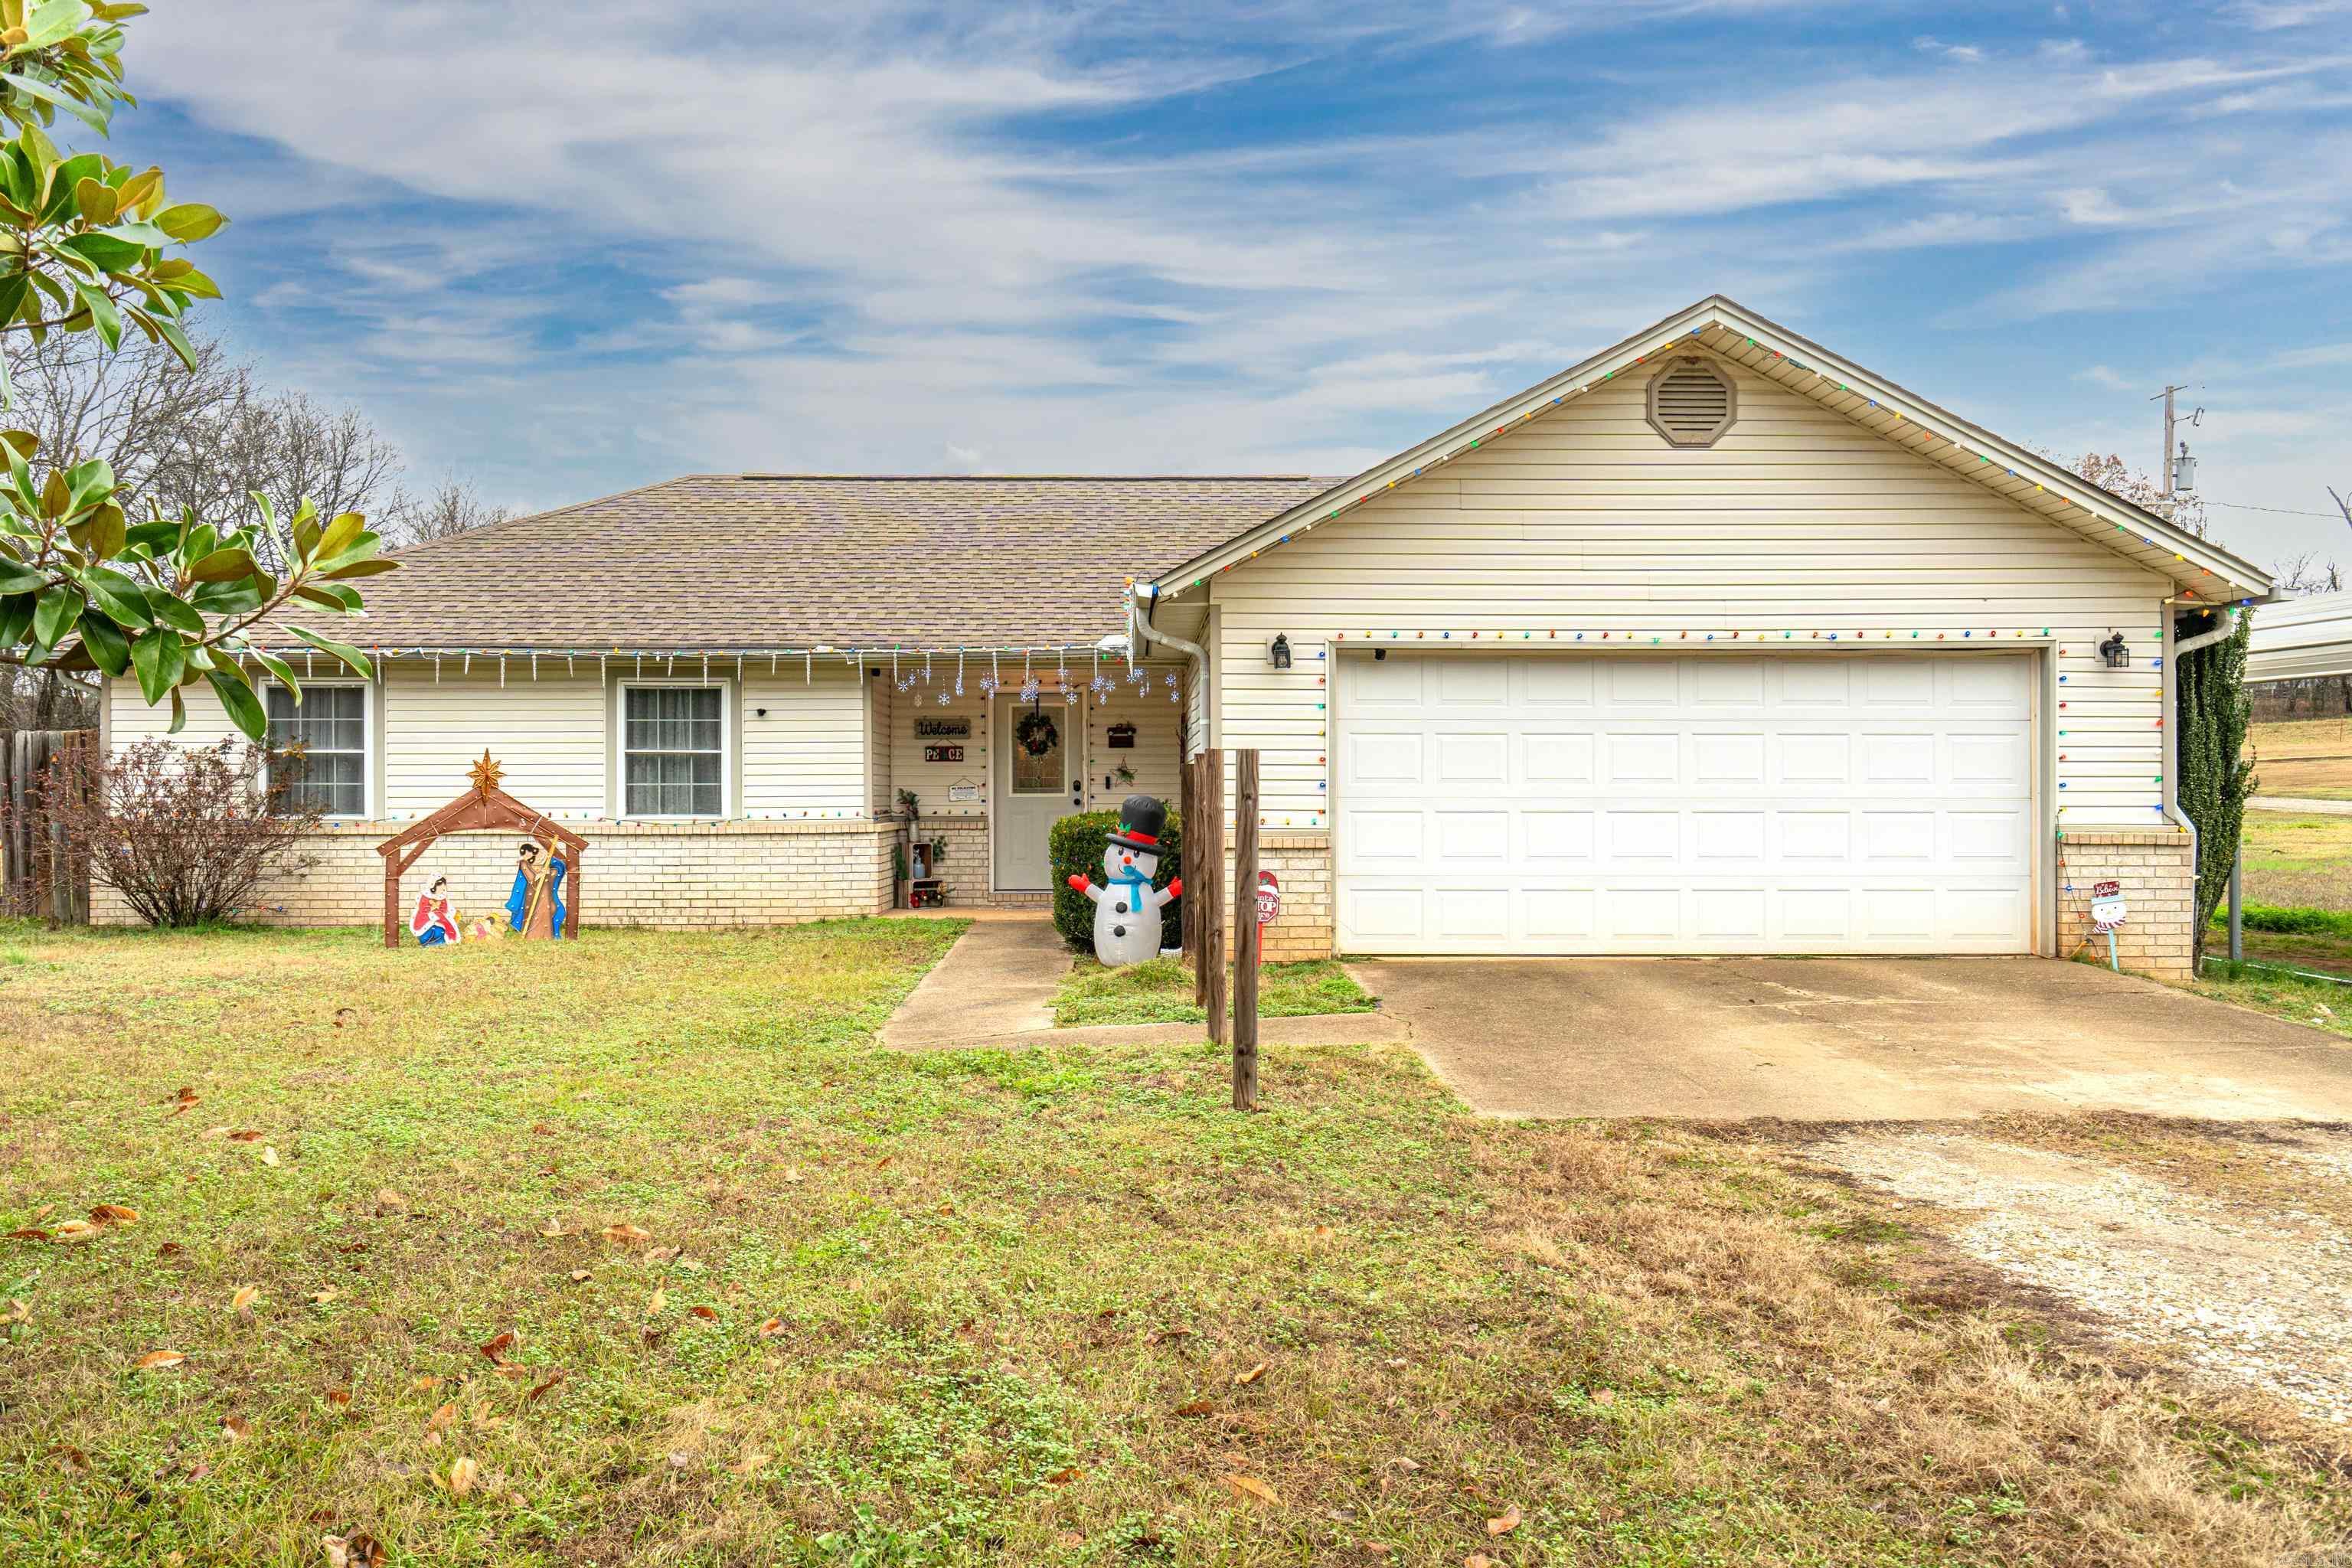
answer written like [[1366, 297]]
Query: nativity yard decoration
[[1127, 912], [535, 909]]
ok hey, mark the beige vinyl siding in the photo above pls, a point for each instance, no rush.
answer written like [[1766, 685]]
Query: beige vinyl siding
[[808, 755], [1157, 724], [128, 719], [546, 730], [1797, 521]]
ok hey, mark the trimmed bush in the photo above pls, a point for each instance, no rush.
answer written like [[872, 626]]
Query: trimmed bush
[[1077, 846]]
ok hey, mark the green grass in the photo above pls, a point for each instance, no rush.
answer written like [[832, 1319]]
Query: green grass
[[780, 1296], [2295, 861], [1160, 992], [2321, 1003]]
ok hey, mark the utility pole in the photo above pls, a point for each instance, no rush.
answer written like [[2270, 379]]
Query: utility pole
[[2164, 454]]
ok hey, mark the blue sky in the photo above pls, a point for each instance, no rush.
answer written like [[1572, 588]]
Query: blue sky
[[566, 248]]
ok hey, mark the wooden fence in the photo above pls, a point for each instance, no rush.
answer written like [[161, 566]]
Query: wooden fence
[[41, 873]]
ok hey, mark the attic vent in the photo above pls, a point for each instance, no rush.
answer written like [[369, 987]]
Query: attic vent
[[1691, 404]]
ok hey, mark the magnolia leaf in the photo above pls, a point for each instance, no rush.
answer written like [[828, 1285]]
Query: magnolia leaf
[[1250, 1486], [1252, 1376], [97, 201], [15, 577], [157, 657], [495, 1349], [464, 1475], [103, 312], [242, 1301], [54, 614], [1506, 1522], [113, 1213], [628, 1233], [177, 613], [222, 566], [91, 117], [188, 222], [339, 533], [245, 708], [155, 1361], [109, 649], [23, 443]]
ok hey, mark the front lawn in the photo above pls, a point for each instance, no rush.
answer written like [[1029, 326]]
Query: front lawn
[[638, 1250], [2310, 758], [2298, 861], [1160, 992]]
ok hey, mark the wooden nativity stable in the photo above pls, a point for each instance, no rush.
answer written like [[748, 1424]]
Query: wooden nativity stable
[[1716, 642]]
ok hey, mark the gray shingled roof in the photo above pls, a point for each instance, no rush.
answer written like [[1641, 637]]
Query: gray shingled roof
[[789, 560]]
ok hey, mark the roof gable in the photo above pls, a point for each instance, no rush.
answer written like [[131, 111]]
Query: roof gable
[[1766, 348]]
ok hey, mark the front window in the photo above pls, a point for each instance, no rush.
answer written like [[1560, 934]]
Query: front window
[[672, 750], [317, 748]]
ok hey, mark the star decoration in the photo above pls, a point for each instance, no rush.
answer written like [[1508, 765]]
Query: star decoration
[[486, 774]]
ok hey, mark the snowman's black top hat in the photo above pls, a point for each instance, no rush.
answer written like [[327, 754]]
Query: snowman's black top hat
[[1142, 821]]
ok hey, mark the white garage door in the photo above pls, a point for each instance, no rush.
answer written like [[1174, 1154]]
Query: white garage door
[[1799, 802]]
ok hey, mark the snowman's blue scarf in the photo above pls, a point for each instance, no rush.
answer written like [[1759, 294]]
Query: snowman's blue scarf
[[1142, 884]]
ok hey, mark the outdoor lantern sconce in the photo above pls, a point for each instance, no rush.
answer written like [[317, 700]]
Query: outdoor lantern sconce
[[1278, 655], [2114, 652]]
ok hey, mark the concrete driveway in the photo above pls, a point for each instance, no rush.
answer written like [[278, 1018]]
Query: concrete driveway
[[1835, 1040]]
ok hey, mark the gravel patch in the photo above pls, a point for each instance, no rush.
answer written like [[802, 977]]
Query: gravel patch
[[2244, 1294]]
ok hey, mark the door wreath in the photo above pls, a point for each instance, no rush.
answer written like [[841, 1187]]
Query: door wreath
[[1036, 734]]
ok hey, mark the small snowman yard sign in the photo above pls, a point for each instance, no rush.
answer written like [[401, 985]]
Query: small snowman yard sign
[[1127, 911]]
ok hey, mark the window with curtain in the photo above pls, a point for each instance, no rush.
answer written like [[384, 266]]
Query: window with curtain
[[672, 757], [317, 747]]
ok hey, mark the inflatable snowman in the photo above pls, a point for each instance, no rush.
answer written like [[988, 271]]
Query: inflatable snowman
[[1127, 911]]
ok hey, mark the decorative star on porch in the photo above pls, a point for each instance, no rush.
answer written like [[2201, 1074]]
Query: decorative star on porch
[[486, 774]]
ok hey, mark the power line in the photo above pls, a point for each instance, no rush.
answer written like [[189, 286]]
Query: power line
[[2285, 510]]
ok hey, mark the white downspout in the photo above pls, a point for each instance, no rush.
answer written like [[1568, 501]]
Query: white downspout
[[2230, 616], [1139, 624]]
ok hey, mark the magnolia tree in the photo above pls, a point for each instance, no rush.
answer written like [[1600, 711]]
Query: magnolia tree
[[88, 245]]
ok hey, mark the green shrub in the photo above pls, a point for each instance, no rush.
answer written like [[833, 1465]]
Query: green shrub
[[1077, 846]]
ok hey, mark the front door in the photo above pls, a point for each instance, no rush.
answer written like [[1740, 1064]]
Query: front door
[[1034, 785]]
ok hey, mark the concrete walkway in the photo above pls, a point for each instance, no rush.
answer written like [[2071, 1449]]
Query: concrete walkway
[[2300, 805], [995, 988], [1835, 1040]]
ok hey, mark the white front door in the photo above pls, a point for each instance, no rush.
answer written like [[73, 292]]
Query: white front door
[[1794, 803], [1034, 785]]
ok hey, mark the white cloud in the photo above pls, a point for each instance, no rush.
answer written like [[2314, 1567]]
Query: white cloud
[[1966, 54]]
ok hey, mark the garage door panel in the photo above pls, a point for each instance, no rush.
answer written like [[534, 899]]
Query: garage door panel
[[1639, 759], [1797, 802]]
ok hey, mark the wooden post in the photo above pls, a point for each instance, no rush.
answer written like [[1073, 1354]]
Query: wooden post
[[571, 911], [1213, 896], [1246, 930], [1187, 868]]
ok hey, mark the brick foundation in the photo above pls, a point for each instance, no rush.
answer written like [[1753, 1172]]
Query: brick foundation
[[2159, 888], [684, 876]]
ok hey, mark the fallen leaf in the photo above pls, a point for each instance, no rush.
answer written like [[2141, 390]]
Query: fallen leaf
[[388, 1201], [156, 1360], [214, 1133], [76, 1230], [792, 1173], [751, 1464], [554, 1378], [617, 1232], [241, 1303], [1478, 1560], [1170, 1334], [113, 1213], [1070, 1540], [658, 1255], [321, 1297], [496, 1346], [1250, 1486], [427, 1383], [1505, 1522], [579, 1276], [338, 1396], [771, 1327], [245, 1135], [29, 1233], [658, 1304], [1063, 1477], [236, 1427], [1322, 1233], [187, 1095], [463, 1473], [704, 1312], [71, 1458], [1401, 1463], [441, 1417], [17, 1311], [884, 1162], [1604, 1396], [268, 1155], [1252, 1376], [1379, 1548], [366, 1550], [1196, 1407], [551, 1229], [170, 1250], [678, 1461]]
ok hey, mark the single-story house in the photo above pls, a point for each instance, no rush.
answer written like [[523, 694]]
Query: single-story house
[[1714, 643]]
